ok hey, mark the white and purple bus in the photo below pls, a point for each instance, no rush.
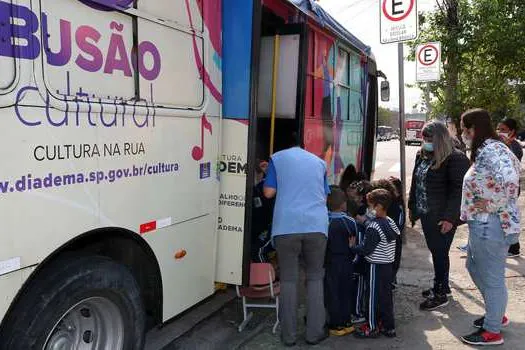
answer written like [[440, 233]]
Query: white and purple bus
[[130, 133]]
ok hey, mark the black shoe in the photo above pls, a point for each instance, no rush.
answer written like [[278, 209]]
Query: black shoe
[[480, 321], [483, 338], [390, 333], [434, 302], [427, 293]]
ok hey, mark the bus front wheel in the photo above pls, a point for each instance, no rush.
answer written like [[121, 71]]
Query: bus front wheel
[[78, 303]]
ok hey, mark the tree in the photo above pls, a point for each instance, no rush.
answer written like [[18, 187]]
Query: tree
[[388, 118], [482, 49]]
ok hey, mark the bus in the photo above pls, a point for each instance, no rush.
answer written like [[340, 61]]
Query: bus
[[131, 133], [414, 129], [384, 133]]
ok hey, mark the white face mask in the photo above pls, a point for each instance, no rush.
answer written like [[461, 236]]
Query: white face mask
[[371, 213], [504, 136]]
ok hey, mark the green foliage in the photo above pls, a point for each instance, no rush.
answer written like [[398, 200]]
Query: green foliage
[[483, 44], [388, 117]]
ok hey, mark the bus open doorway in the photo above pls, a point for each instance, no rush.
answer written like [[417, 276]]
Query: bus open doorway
[[280, 114]]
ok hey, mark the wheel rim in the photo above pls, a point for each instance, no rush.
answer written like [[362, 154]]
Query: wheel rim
[[93, 323]]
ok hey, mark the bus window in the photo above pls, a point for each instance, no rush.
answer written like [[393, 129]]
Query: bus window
[[286, 93], [87, 60], [179, 68], [342, 78], [356, 106]]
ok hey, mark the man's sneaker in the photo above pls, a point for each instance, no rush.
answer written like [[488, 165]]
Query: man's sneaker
[[365, 332], [390, 333], [427, 293], [483, 337], [463, 248], [434, 302], [479, 322]]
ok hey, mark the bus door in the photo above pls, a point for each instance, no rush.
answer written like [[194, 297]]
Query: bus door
[[253, 102], [279, 114], [371, 121]]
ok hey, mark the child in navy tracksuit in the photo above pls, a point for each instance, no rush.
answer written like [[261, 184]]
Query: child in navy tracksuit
[[378, 248], [356, 193], [398, 214], [262, 211], [338, 264]]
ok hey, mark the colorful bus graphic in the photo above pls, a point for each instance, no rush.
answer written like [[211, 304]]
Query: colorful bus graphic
[[131, 133]]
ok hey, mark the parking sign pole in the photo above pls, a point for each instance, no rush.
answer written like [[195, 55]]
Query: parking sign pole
[[402, 130]]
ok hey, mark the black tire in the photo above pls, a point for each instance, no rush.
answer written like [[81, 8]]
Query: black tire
[[61, 285]]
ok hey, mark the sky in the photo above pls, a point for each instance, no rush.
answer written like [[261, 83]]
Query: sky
[[361, 18]]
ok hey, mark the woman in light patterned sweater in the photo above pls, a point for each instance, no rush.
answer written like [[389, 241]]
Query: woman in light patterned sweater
[[490, 207]]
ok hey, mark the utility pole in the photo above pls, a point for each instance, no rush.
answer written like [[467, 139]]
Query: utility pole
[[402, 158]]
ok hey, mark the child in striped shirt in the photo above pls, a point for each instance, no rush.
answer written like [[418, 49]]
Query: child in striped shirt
[[378, 248]]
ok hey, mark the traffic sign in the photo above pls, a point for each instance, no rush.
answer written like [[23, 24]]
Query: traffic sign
[[428, 62], [398, 20]]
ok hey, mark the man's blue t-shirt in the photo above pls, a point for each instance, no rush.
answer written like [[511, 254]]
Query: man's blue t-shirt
[[300, 180]]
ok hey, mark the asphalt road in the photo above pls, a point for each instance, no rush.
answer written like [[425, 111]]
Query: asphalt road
[[388, 160]]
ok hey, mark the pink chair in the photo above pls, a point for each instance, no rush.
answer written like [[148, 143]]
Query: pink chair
[[262, 286]]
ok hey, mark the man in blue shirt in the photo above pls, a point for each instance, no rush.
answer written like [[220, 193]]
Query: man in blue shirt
[[300, 225]]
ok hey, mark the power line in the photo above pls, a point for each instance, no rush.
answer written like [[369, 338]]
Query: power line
[[347, 6], [354, 15]]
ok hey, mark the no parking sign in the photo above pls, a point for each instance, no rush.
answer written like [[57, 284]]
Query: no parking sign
[[398, 20], [428, 62]]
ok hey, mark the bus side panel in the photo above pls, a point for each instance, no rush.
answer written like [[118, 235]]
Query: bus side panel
[[233, 165], [319, 117], [94, 142], [335, 104]]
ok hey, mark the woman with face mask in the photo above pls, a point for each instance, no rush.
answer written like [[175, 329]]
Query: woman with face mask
[[490, 207], [507, 130], [435, 197]]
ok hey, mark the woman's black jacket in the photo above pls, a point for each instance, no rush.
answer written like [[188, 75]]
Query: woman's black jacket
[[443, 186]]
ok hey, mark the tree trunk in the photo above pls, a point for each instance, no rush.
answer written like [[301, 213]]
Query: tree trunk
[[453, 106]]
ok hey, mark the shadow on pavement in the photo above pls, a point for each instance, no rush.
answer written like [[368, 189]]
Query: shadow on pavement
[[416, 329]]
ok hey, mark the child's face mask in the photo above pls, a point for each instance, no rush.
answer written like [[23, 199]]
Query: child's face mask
[[371, 212]]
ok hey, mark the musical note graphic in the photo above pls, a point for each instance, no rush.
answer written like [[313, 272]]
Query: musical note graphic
[[198, 152]]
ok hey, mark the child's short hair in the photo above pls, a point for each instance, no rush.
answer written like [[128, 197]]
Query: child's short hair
[[336, 199], [386, 185], [398, 185], [380, 197]]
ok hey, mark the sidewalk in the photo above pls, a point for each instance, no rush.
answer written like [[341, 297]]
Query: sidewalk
[[415, 329]]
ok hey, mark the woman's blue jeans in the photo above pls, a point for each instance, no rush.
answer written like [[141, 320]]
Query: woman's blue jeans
[[487, 254]]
